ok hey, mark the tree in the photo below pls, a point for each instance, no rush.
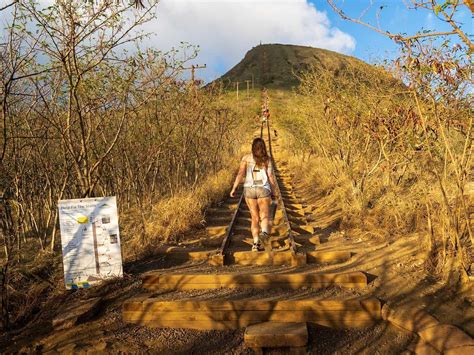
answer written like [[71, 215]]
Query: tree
[[81, 41], [437, 66]]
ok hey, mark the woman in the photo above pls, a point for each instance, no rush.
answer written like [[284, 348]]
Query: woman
[[259, 186]]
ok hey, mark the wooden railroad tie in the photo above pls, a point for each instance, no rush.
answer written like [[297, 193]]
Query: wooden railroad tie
[[157, 281], [221, 314]]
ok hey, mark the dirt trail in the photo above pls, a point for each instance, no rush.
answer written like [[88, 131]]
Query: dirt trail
[[395, 269]]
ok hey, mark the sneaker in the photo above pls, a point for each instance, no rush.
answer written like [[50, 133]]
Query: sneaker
[[256, 247], [265, 239]]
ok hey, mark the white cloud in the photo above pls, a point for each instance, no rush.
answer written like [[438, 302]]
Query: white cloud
[[225, 29]]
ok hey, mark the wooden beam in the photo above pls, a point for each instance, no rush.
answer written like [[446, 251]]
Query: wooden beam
[[218, 314], [157, 281]]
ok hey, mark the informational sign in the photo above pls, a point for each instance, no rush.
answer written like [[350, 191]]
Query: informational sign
[[90, 240]]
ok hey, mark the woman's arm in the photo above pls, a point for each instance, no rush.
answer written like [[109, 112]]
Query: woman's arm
[[239, 177], [271, 178]]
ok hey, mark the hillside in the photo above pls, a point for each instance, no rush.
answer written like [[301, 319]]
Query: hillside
[[127, 225], [279, 65]]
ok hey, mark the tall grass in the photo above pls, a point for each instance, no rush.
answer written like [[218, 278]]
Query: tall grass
[[381, 152]]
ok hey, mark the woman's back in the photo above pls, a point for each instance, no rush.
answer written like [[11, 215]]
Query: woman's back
[[255, 175]]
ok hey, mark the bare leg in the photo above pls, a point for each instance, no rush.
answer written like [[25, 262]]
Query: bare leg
[[264, 208], [253, 207]]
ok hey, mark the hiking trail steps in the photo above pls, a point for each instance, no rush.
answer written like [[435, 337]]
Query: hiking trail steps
[[290, 266]]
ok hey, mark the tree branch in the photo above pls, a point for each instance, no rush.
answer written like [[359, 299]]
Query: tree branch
[[8, 5], [399, 37]]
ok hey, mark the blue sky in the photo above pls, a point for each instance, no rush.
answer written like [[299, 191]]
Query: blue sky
[[227, 29], [394, 17]]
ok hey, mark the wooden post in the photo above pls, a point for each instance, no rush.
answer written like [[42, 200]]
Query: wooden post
[[248, 83], [237, 85]]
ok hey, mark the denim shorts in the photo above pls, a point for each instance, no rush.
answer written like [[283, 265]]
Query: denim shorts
[[256, 192]]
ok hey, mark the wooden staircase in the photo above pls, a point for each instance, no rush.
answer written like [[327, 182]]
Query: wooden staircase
[[174, 299]]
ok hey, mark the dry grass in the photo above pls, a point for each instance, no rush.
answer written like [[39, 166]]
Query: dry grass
[[174, 216], [373, 159], [390, 213]]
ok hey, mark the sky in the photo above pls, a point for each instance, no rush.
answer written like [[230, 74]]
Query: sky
[[226, 29]]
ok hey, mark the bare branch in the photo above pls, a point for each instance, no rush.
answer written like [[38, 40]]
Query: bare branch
[[398, 37], [457, 30], [8, 5]]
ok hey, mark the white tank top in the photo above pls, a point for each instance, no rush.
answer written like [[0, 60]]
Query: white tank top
[[255, 176]]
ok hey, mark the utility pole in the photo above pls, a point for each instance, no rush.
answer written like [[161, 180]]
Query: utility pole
[[248, 83], [252, 82], [193, 70], [237, 84]]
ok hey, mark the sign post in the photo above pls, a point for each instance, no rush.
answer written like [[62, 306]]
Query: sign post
[[90, 241]]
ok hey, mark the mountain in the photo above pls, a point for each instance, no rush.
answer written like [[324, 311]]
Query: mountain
[[278, 65]]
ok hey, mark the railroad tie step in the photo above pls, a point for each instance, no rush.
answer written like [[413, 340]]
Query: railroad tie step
[[243, 221], [300, 221], [287, 196], [183, 254], [294, 206], [279, 230], [213, 231], [235, 314], [302, 229], [286, 189], [295, 212], [165, 281], [276, 335], [244, 213], [305, 240], [220, 212], [212, 242], [289, 199], [241, 228], [218, 220], [266, 258]]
